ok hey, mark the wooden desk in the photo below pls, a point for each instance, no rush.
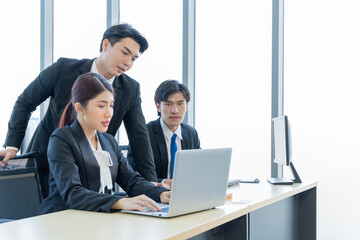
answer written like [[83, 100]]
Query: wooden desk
[[260, 214], [74, 224], [262, 194], [279, 211]]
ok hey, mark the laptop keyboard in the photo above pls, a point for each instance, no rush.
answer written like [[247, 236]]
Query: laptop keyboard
[[163, 210]]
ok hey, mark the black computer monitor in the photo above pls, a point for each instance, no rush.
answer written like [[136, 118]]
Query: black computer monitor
[[282, 149]]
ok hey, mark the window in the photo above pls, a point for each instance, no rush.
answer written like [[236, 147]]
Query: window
[[233, 82], [321, 84], [78, 28], [20, 60], [163, 59]]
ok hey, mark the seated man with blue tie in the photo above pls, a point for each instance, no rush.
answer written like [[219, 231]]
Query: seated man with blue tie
[[168, 134]]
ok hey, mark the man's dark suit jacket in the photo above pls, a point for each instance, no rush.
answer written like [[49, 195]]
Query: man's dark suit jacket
[[190, 141], [75, 172], [56, 82]]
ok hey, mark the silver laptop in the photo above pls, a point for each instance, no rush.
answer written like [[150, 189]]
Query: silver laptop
[[199, 182]]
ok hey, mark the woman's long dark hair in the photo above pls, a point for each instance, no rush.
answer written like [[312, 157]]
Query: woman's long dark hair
[[86, 87]]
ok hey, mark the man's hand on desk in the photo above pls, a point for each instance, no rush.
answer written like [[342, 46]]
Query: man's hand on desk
[[163, 183], [7, 154], [167, 182], [165, 197]]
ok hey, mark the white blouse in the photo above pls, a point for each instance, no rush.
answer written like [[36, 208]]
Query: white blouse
[[105, 162]]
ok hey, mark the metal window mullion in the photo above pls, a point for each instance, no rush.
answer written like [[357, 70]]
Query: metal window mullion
[[189, 56], [112, 12], [113, 17], [277, 78], [46, 41]]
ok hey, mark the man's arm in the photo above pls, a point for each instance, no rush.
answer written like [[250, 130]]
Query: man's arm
[[130, 158], [139, 140], [33, 95], [197, 141]]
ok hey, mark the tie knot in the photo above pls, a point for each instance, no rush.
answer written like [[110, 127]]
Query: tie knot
[[173, 137]]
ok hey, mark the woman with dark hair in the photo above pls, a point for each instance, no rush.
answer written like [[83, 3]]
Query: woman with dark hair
[[85, 161]]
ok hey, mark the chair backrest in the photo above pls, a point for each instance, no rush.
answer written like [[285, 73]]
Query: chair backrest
[[20, 188], [31, 127]]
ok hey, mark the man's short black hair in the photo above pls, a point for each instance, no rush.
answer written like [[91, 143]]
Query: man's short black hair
[[117, 32], [168, 87]]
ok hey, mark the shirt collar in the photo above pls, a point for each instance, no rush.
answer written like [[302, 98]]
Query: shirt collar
[[95, 70], [167, 132], [99, 148]]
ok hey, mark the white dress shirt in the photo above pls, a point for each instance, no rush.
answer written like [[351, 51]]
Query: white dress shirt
[[168, 135], [95, 70]]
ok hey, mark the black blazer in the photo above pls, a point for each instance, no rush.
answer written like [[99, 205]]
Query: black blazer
[[56, 82], [190, 141], [75, 180]]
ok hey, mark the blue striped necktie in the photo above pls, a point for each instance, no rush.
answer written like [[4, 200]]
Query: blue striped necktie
[[173, 149]]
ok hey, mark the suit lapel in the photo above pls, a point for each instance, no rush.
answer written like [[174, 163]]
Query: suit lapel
[[185, 138], [88, 161], [118, 96], [114, 123], [160, 139], [87, 66]]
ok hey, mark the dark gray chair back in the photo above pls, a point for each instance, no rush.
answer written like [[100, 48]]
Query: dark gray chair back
[[20, 188]]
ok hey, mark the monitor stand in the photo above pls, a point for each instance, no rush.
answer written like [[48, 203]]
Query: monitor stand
[[286, 181], [280, 181]]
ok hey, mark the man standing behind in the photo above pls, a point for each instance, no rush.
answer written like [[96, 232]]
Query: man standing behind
[[120, 46], [168, 134]]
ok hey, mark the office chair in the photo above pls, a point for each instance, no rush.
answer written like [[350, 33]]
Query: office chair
[[19, 187], [30, 130]]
